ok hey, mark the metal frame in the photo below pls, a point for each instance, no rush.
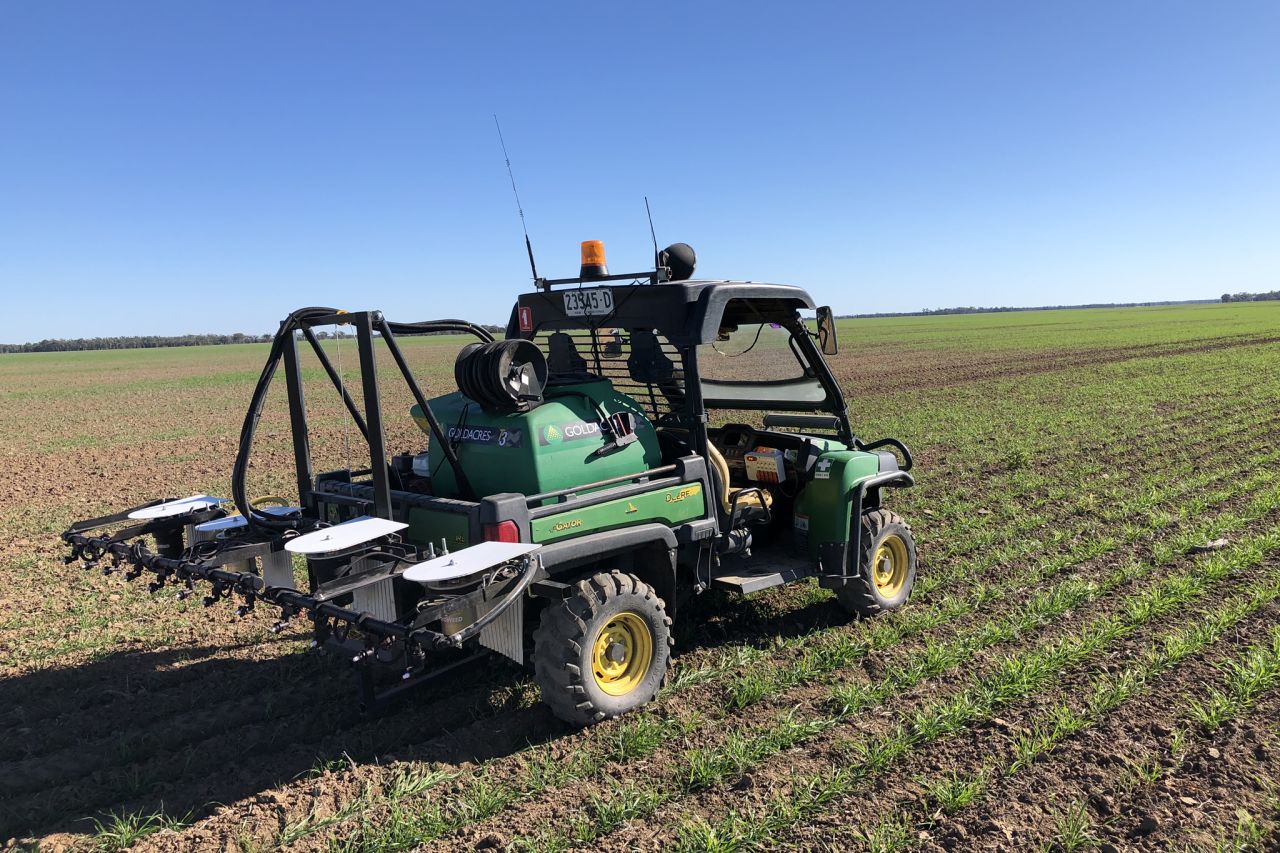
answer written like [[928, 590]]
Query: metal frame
[[332, 622], [369, 424], [705, 301], [654, 277]]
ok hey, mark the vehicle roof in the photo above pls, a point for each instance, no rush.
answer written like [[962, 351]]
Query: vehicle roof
[[684, 312]]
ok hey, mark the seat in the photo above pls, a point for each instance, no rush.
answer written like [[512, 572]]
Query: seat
[[563, 356], [749, 505]]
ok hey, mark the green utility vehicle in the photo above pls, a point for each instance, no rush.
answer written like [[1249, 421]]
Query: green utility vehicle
[[635, 440]]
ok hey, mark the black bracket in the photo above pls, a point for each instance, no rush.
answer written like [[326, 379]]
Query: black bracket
[[834, 558], [553, 590]]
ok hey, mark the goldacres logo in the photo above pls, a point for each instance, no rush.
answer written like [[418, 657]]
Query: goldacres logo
[[551, 433]]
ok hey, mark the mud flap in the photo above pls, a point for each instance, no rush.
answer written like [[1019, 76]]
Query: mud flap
[[505, 635], [377, 599], [277, 570]]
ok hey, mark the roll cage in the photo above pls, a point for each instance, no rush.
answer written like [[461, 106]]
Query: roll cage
[[682, 317]]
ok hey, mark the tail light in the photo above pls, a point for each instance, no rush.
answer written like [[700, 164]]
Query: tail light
[[503, 531]]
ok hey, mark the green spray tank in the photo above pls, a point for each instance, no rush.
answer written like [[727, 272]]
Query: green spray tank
[[512, 435]]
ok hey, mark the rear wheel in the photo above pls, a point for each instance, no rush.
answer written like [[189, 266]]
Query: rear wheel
[[886, 566], [603, 651]]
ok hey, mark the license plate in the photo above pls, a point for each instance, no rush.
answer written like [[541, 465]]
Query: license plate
[[588, 303]]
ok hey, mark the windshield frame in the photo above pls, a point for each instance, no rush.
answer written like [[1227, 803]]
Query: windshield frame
[[814, 391]]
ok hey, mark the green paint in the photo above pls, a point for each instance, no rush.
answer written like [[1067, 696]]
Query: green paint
[[826, 503], [558, 445], [671, 506], [427, 525]]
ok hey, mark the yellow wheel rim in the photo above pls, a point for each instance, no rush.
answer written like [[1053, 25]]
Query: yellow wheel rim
[[889, 566], [622, 653]]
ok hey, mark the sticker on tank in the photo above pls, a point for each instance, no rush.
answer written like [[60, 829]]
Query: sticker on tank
[[501, 436]]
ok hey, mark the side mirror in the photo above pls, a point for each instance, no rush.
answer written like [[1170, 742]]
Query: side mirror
[[827, 331]]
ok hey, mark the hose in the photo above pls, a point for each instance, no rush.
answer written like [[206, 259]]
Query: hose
[[301, 320], [288, 326]]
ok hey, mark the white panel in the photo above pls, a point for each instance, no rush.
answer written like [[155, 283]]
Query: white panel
[[468, 561], [340, 537], [233, 522], [178, 507]]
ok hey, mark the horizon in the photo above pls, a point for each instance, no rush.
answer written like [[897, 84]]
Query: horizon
[[927, 313], [233, 161]]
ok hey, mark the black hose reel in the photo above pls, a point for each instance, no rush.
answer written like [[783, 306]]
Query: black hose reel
[[502, 376]]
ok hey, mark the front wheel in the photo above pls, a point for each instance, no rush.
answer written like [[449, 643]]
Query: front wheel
[[604, 650], [886, 566]]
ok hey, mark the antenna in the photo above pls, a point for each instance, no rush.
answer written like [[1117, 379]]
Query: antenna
[[520, 209], [656, 260]]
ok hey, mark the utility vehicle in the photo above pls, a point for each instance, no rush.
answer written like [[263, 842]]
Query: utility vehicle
[[634, 441]]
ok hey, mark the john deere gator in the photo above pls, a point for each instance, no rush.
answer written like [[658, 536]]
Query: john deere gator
[[634, 441]]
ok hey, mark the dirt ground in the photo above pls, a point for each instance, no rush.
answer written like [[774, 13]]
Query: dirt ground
[[212, 733]]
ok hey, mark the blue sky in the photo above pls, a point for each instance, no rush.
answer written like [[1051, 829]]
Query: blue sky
[[206, 166]]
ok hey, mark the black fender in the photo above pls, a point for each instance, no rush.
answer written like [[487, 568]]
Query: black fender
[[647, 551], [833, 561]]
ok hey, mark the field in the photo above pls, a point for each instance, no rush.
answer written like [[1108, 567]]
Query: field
[[1072, 673]]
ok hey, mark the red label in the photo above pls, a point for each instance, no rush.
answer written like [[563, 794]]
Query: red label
[[526, 319]]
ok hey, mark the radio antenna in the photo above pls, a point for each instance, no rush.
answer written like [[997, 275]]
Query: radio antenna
[[653, 234], [528, 246]]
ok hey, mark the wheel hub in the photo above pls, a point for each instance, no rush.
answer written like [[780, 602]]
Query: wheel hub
[[622, 654], [889, 566]]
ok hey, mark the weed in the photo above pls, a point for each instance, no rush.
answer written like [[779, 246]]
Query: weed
[[119, 831], [953, 792], [1072, 830]]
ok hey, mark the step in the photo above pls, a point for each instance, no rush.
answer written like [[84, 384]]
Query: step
[[756, 573]]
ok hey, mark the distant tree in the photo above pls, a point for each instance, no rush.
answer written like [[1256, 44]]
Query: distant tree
[[130, 342]]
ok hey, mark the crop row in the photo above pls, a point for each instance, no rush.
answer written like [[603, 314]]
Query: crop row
[[166, 769], [988, 523], [1247, 677], [827, 650], [1018, 676], [693, 773], [746, 748]]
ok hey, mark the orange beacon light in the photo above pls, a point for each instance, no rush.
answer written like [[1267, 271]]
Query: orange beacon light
[[593, 263]]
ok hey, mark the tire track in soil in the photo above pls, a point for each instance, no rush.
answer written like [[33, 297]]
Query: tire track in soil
[[710, 702], [1020, 811], [825, 751], [805, 696]]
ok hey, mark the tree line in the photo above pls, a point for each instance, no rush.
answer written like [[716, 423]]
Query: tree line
[[1251, 297], [970, 309], [155, 341], [132, 342]]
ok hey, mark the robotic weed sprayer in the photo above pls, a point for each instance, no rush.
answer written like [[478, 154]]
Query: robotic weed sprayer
[[576, 489]]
